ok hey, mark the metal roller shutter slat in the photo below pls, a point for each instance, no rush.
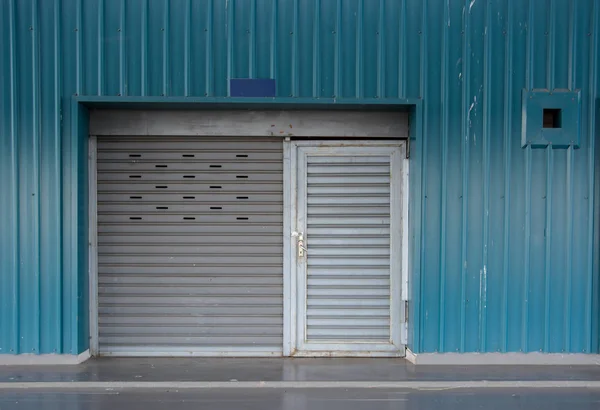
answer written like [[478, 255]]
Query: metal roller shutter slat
[[190, 244]]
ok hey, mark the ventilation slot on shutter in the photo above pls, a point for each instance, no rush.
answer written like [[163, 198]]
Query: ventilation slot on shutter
[[135, 156], [161, 186], [215, 166], [189, 197], [242, 218], [188, 155], [161, 166], [216, 207], [241, 197], [189, 218], [135, 218], [135, 197], [216, 187], [135, 176], [162, 207], [189, 176], [242, 156], [241, 176]]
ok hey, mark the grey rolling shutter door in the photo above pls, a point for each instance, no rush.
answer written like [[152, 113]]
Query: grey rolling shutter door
[[190, 245], [348, 239]]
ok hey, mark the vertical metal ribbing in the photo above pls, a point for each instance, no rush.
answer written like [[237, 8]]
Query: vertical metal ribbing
[[187, 48], [295, 50], [487, 115], [381, 51], [527, 159], [274, 34], [548, 240], [423, 88], [508, 83], [230, 34], [572, 84], [122, 52], [550, 62], [466, 118], [56, 170], [444, 198], [79, 49], [100, 45], [527, 259], [252, 42], [166, 49], [15, 254], [572, 81], [144, 50], [551, 74], [35, 172], [569, 281], [73, 281], [402, 63], [530, 45], [210, 57], [337, 74], [573, 7], [593, 85], [359, 84], [316, 75]]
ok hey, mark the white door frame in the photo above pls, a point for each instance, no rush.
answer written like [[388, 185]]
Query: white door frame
[[93, 242], [399, 260]]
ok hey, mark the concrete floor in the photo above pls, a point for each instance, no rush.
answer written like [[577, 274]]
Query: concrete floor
[[329, 399], [224, 370], [295, 384]]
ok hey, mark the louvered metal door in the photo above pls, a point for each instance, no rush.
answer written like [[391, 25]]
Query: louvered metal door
[[189, 246], [349, 278]]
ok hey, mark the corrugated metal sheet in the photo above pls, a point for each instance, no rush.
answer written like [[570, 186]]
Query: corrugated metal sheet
[[348, 265], [507, 258], [190, 252], [505, 241]]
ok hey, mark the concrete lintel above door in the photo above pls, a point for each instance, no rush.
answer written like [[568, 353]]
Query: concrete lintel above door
[[251, 123]]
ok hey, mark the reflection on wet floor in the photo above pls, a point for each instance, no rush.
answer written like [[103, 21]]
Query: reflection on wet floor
[[278, 369], [321, 399]]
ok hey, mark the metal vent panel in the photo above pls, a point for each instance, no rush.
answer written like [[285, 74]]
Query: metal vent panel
[[190, 245], [348, 236]]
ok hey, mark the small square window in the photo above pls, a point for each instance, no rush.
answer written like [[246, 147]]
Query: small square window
[[552, 118]]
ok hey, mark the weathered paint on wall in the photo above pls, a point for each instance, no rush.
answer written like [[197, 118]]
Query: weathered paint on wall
[[505, 239], [508, 258]]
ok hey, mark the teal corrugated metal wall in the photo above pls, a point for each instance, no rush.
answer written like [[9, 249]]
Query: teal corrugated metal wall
[[504, 239]]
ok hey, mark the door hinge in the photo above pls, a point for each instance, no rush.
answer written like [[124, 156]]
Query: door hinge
[[408, 148], [404, 332]]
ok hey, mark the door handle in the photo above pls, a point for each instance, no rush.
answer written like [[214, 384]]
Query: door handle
[[300, 243]]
